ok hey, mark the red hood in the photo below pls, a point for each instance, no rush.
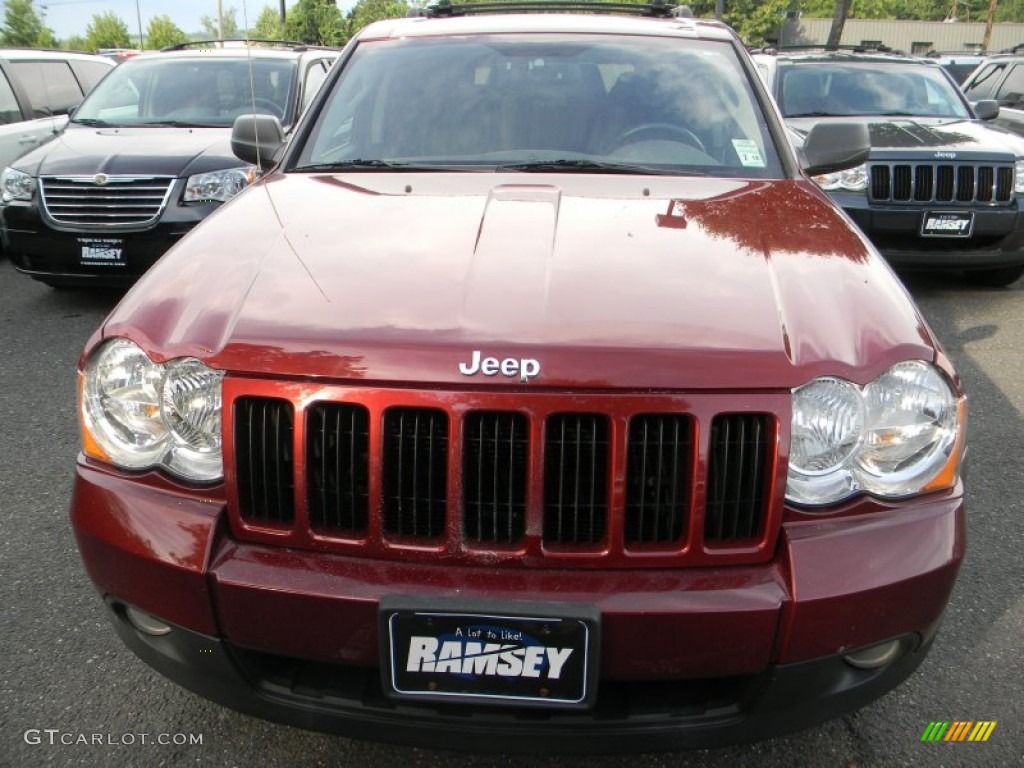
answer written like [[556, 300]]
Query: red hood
[[617, 281]]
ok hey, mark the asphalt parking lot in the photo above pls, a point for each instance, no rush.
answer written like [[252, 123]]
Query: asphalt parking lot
[[71, 694]]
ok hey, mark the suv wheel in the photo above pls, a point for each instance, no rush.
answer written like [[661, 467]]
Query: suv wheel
[[995, 278]]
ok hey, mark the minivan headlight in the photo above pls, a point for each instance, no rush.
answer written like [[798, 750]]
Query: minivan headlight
[[218, 186], [16, 185], [1018, 184], [138, 414], [901, 434], [851, 180]]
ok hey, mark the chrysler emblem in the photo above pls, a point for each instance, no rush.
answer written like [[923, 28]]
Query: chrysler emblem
[[99, 179]]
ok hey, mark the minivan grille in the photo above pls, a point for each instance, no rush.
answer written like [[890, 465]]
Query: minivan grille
[[104, 201], [384, 476], [929, 183]]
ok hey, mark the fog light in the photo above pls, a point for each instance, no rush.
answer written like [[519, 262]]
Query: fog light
[[145, 623], [874, 657]]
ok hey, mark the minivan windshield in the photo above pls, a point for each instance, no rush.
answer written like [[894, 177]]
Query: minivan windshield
[[572, 103], [200, 91]]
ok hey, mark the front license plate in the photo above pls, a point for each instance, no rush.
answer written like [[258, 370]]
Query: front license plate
[[102, 251], [527, 655], [955, 224]]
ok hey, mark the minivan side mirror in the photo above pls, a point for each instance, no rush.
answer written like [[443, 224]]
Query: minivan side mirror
[[256, 139], [986, 109], [835, 146]]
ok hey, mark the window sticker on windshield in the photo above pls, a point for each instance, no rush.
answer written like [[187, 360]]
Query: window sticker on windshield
[[749, 153]]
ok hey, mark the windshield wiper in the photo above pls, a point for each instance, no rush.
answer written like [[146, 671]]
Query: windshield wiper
[[91, 121], [593, 166], [370, 165], [815, 114], [176, 124]]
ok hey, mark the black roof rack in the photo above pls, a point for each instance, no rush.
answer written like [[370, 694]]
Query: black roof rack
[[220, 43], [656, 8], [822, 47]]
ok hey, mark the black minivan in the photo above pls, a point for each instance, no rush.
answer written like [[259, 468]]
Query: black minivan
[[146, 157]]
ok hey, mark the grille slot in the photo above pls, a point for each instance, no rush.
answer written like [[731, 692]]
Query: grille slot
[[264, 459], [121, 201], [737, 476], [575, 478], [941, 183], [337, 467], [494, 476], [415, 467], [658, 473]]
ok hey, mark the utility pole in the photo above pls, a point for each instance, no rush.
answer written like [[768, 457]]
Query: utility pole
[[138, 16], [282, 14], [719, 9], [220, 20], [988, 25]]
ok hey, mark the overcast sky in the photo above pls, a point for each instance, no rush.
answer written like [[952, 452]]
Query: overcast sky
[[71, 17]]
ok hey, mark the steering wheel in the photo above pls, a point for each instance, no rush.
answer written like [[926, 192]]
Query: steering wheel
[[667, 130], [271, 107]]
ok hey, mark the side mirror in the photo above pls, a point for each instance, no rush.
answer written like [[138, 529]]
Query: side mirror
[[835, 146], [986, 109], [256, 139]]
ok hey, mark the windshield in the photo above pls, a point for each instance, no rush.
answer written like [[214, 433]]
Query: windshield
[[200, 91], [572, 103], [840, 89]]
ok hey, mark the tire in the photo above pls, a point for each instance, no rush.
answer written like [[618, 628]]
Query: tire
[[995, 278]]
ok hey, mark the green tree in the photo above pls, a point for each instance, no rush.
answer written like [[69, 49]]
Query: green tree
[[317, 22], [368, 11], [163, 32], [24, 27], [106, 30], [229, 24], [268, 25], [76, 43], [756, 21]]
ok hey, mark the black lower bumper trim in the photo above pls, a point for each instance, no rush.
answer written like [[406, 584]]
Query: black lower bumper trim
[[628, 717]]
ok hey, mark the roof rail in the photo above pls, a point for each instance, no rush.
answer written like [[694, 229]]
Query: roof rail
[[654, 8], [822, 47], [220, 43]]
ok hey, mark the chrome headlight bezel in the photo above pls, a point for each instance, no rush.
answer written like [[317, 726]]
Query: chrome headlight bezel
[[1018, 178], [138, 414], [218, 186], [16, 185], [910, 440]]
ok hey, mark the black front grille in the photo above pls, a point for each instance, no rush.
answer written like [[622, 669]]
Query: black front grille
[[737, 476], [105, 201], [929, 183], [658, 472], [575, 478], [415, 467], [494, 476], [383, 477], [337, 467], [264, 459]]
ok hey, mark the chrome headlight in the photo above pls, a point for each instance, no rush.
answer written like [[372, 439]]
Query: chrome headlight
[[851, 180], [1018, 183], [16, 185], [218, 186], [901, 434], [139, 414]]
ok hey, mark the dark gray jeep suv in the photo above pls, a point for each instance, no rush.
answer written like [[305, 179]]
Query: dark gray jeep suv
[[943, 187]]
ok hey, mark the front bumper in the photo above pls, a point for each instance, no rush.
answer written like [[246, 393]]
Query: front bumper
[[58, 255], [996, 239], [689, 657]]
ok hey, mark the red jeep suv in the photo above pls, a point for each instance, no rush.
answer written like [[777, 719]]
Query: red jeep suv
[[534, 399]]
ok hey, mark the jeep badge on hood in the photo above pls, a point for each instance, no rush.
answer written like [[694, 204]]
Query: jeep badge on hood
[[526, 367]]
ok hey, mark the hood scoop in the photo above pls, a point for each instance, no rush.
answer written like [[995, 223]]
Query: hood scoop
[[518, 227]]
